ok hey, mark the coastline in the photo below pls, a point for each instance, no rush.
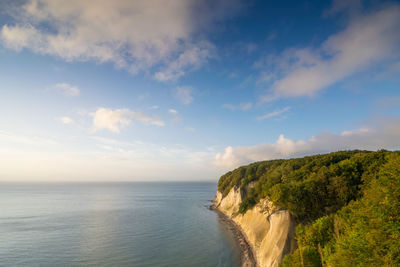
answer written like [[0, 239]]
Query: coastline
[[247, 254]]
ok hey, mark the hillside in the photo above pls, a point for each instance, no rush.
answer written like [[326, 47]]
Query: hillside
[[346, 205]]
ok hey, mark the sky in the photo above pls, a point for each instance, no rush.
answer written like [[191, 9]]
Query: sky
[[175, 90]]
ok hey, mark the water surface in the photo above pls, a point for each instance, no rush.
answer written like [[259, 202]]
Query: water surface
[[112, 224]]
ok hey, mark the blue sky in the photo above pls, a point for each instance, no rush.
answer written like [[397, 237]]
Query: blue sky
[[186, 90]]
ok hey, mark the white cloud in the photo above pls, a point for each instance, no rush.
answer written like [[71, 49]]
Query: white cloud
[[113, 120], [274, 113], [173, 111], [66, 120], [241, 106], [369, 39], [66, 89], [365, 138], [136, 35], [184, 94], [17, 38]]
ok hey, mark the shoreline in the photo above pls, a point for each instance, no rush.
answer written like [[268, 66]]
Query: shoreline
[[247, 253]]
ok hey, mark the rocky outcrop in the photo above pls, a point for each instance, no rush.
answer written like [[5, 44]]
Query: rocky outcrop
[[269, 231]]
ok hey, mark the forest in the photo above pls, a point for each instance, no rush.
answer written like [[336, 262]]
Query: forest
[[346, 204]]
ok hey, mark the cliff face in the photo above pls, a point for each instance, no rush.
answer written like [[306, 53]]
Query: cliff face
[[269, 231]]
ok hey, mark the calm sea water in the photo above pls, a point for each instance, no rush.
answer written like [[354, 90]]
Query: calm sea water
[[112, 224]]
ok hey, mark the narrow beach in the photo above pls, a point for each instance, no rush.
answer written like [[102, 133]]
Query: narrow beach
[[247, 255]]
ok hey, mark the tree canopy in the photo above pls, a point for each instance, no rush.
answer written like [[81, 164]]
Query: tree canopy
[[347, 204]]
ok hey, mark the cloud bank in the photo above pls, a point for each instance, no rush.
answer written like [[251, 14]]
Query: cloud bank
[[140, 35], [386, 137], [103, 160]]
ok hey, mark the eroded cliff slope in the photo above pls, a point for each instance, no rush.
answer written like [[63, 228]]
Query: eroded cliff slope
[[269, 231]]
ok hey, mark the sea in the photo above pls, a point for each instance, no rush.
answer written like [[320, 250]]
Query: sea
[[113, 224]]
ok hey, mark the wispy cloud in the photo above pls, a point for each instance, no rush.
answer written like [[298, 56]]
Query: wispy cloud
[[103, 159], [347, 6], [175, 114], [173, 111], [191, 59], [114, 120], [241, 106], [66, 120], [115, 142], [274, 113], [184, 94], [67, 89], [251, 47], [368, 40], [10, 137]]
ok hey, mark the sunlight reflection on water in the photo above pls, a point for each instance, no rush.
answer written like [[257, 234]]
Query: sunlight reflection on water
[[120, 224]]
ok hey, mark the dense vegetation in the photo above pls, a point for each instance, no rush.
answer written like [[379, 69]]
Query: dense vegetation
[[347, 205]]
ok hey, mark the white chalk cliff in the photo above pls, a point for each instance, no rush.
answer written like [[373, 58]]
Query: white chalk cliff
[[269, 231]]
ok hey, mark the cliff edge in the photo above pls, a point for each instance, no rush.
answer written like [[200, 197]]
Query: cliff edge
[[269, 231]]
